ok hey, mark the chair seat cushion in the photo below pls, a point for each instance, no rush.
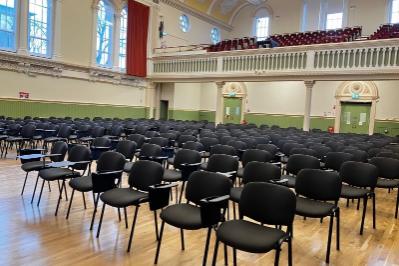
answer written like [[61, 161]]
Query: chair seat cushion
[[204, 166], [128, 167], [185, 216], [32, 166], [235, 194], [14, 139], [350, 192], [51, 174], [37, 137], [313, 208], [123, 197], [52, 139], [170, 175], [86, 139], [82, 183], [240, 172], [387, 183], [249, 237], [3, 137], [291, 180]]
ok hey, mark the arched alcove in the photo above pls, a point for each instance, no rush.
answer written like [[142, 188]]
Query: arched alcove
[[236, 90]]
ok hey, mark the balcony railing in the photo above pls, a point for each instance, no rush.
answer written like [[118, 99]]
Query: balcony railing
[[362, 59]]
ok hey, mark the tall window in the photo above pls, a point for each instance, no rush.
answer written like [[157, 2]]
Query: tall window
[[123, 38], [7, 25], [184, 23], [215, 35], [105, 28], [39, 27], [334, 21], [262, 28], [394, 16]]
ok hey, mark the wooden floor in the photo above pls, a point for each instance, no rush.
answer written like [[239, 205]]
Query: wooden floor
[[31, 235]]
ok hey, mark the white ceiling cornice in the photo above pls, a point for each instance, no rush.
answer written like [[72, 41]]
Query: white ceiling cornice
[[205, 17]]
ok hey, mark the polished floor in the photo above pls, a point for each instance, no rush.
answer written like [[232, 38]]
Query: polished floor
[[31, 235]]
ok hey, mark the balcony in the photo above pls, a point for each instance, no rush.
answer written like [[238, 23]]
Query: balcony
[[358, 60]]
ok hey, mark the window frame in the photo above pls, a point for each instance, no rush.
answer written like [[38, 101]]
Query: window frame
[[215, 31], [111, 55], [326, 20], [121, 68], [187, 20], [15, 30], [390, 12], [261, 13]]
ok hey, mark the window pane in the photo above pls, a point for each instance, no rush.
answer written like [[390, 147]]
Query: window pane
[[122, 42], [215, 35], [262, 28], [334, 21], [184, 23], [39, 29], [7, 25], [105, 23], [395, 11]]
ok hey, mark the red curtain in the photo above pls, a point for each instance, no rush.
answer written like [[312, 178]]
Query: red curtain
[[137, 33]]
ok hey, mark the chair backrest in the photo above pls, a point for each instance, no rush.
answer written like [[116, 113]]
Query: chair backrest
[[110, 161], [163, 142], [79, 153], [297, 162], [28, 152], [273, 149], [359, 174], [59, 147], [184, 138], [334, 160], [222, 163], [223, 149], [98, 132], [318, 184], [117, 131], [65, 131], [185, 156], [209, 142], [145, 174], [101, 142], [255, 155], [237, 145], [148, 150], [358, 155], [139, 139], [127, 148], [304, 151], [192, 145], [388, 155], [28, 131], [268, 203], [260, 172], [203, 184], [387, 167]]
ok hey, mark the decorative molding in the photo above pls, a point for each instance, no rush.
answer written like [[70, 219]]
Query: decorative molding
[[205, 17], [34, 66]]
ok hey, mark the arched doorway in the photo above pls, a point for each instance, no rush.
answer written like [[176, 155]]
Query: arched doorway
[[356, 107]]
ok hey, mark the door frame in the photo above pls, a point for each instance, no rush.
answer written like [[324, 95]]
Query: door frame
[[367, 92], [239, 90]]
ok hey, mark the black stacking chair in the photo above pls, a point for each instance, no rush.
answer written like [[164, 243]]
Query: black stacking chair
[[334, 160], [64, 133], [185, 162], [388, 175], [192, 145], [98, 146], [95, 132], [184, 138], [127, 148], [207, 199], [388, 155], [315, 189], [57, 154], [253, 155], [358, 155], [143, 175], [224, 164], [359, 181], [296, 163], [152, 152], [13, 138], [208, 143], [304, 151], [139, 139], [80, 155], [220, 149], [109, 162], [267, 204]]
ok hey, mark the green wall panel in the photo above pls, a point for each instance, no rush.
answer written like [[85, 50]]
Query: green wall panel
[[390, 128], [183, 114], [207, 115], [283, 121], [20, 108], [321, 123]]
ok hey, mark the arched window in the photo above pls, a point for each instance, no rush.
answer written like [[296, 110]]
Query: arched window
[[40, 27], [184, 23], [394, 11], [334, 21], [7, 24], [215, 35], [105, 29], [122, 40], [261, 24]]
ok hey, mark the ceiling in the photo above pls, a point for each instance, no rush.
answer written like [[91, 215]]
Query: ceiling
[[223, 10]]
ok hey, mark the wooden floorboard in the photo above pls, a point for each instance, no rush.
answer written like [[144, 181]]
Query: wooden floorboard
[[31, 235]]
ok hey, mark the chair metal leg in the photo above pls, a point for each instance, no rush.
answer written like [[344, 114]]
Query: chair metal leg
[[329, 238], [364, 214], [226, 255], [132, 229], [23, 187], [159, 243], [41, 192], [34, 190], [397, 205], [96, 199], [60, 197], [358, 204], [126, 221], [338, 215], [234, 210], [119, 215], [70, 204], [49, 187], [156, 225], [374, 222], [84, 200], [234, 256], [182, 239], [277, 257], [66, 193], [290, 251], [347, 202], [101, 220], [182, 191], [208, 237], [215, 252]]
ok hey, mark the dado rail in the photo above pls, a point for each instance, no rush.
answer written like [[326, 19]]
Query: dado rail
[[359, 60]]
